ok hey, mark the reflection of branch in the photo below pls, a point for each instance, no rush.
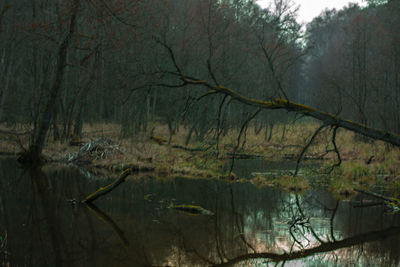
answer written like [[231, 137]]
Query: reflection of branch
[[218, 243], [291, 229], [332, 218], [239, 222], [325, 247], [303, 215], [107, 219]]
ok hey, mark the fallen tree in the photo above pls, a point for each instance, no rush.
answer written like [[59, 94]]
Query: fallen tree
[[326, 118], [107, 189]]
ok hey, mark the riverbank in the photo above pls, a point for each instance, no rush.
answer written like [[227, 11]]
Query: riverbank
[[364, 163]]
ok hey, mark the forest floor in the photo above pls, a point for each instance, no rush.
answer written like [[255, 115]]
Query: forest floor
[[365, 163]]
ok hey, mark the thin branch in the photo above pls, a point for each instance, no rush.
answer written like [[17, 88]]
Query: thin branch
[[282, 103], [112, 13], [211, 92], [332, 218], [171, 54], [108, 220], [335, 148], [240, 136], [218, 130], [306, 147]]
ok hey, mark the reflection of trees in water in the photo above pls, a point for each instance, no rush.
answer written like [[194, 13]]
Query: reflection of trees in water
[[324, 247], [356, 249], [43, 229], [127, 229]]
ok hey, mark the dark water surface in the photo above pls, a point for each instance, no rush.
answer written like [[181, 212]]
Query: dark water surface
[[133, 226]]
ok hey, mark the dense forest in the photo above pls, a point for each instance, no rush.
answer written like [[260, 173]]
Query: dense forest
[[241, 137], [65, 63]]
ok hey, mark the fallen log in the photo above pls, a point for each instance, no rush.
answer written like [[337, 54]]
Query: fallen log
[[107, 189], [392, 200], [244, 156], [14, 132]]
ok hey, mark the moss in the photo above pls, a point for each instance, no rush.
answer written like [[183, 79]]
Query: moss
[[191, 209]]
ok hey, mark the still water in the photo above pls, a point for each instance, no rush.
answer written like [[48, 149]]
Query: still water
[[133, 226]]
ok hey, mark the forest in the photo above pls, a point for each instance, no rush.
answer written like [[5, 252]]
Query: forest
[[127, 62], [206, 89]]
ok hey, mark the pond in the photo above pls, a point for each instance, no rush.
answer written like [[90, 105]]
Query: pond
[[133, 226]]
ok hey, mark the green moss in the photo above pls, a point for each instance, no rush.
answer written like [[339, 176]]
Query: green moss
[[191, 209]]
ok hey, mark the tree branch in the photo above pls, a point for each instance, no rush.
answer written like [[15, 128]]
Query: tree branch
[[306, 147], [281, 103], [326, 118]]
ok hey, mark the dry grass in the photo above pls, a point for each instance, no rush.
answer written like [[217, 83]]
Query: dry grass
[[140, 150]]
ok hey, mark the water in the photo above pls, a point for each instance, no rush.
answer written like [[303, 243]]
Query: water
[[133, 226]]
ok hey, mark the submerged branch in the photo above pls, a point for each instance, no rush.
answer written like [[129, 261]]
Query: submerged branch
[[107, 189]]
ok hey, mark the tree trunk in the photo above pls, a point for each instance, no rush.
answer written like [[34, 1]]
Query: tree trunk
[[33, 155]]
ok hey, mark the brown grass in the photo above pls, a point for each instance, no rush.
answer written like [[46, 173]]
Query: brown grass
[[140, 150]]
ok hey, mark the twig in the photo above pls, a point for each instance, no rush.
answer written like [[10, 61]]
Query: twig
[[337, 164], [240, 136], [306, 147]]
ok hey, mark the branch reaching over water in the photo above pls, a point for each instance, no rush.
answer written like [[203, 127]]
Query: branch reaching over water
[[326, 118]]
